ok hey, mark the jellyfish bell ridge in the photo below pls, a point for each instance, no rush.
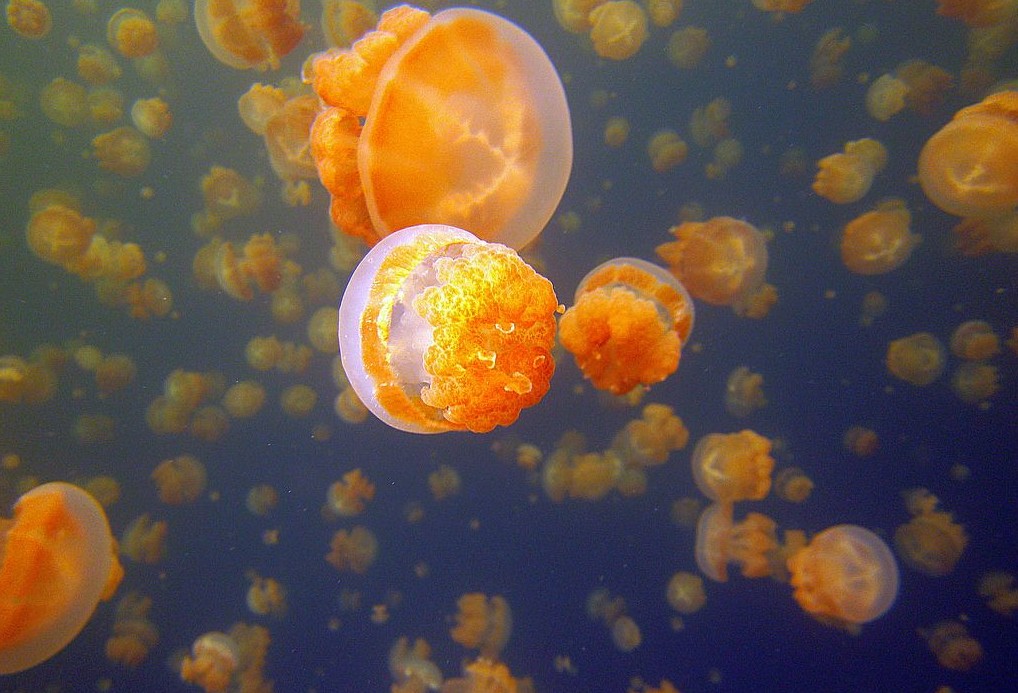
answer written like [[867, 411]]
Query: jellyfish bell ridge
[[509, 142]]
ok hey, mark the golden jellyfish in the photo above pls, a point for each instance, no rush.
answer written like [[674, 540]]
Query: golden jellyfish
[[685, 592], [861, 441], [845, 575], [228, 195], [65, 103], [731, 467], [952, 645], [114, 372], [618, 29], [132, 33], [261, 500], [885, 97], [123, 151], [258, 104], [720, 541], [998, 589], [720, 261], [975, 382], [789, 6], [249, 34], [412, 665], [133, 634], [152, 117], [482, 623], [647, 441], [574, 15], [441, 331], [977, 236], [975, 340], [874, 304], [978, 13], [931, 542], [666, 150], [917, 359], [348, 497], [969, 167], [792, 484], [144, 541], [322, 330], [664, 12], [59, 560], [353, 551], [744, 392], [265, 596], [29, 18], [244, 399], [616, 132], [927, 85], [628, 324], [263, 353], [180, 480], [287, 138], [213, 660], [349, 408], [879, 241], [825, 63], [626, 635], [464, 103], [687, 46], [297, 401], [444, 482], [345, 21], [59, 235], [105, 489], [847, 176]]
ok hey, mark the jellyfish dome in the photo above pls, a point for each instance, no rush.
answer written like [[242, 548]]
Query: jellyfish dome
[[441, 331], [58, 561], [465, 104]]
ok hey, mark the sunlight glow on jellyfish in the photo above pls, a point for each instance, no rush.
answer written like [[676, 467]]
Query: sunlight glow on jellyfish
[[440, 331], [58, 561], [465, 104]]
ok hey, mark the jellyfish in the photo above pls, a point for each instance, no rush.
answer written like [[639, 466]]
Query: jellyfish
[[413, 665], [287, 138], [441, 331], [263, 353], [664, 12], [998, 589], [114, 373], [29, 18], [666, 150], [720, 261], [59, 560], [258, 104], [349, 497], [214, 659], [144, 541], [685, 592], [880, 241], [297, 401], [618, 29], [845, 575], [731, 467], [952, 645], [132, 33], [825, 63], [261, 500], [792, 485], [626, 635], [744, 392], [975, 340], [467, 106], [59, 235], [648, 440], [616, 132], [353, 551], [974, 382], [249, 34], [720, 541], [931, 542], [861, 441], [847, 176], [444, 482], [885, 97], [977, 13], [152, 117], [64, 102], [917, 359], [687, 46], [345, 21], [573, 15], [244, 399], [133, 634], [628, 325], [969, 167], [483, 623], [180, 480], [265, 596], [123, 151]]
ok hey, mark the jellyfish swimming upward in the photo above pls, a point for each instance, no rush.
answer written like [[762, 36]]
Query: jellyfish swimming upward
[[465, 104], [441, 331]]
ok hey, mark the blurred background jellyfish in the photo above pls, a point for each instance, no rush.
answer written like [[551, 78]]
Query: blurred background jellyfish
[[483, 623], [744, 392], [441, 331], [465, 104], [879, 241], [720, 540], [917, 359], [249, 34], [846, 176], [931, 542], [628, 324], [846, 575], [732, 467], [58, 561]]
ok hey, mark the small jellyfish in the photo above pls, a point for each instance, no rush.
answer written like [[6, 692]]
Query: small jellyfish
[[666, 150], [573, 15], [847, 176], [721, 261], [65, 103], [951, 643], [618, 29], [744, 392], [616, 132], [29, 18], [249, 34], [879, 241], [969, 167], [261, 500], [917, 359], [58, 561], [265, 596], [861, 441], [845, 575], [444, 482], [152, 117], [687, 46], [287, 138], [348, 497], [731, 467], [975, 340], [468, 106], [685, 593], [974, 382], [214, 659], [628, 325], [885, 97], [353, 551], [720, 541], [180, 480], [792, 485], [132, 33], [244, 399], [133, 634], [482, 623], [931, 542], [123, 151], [441, 331], [413, 666]]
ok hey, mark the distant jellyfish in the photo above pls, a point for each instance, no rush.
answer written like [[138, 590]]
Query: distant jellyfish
[[975, 340], [132, 33], [618, 29], [628, 325], [441, 331], [846, 574], [348, 498], [212, 662], [792, 485], [666, 150], [354, 550], [917, 359], [249, 34], [861, 441], [180, 480], [744, 392], [58, 561], [885, 97], [931, 542], [685, 592], [687, 46], [952, 645], [975, 382], [847, 176], [616, 132], [731, 467], [720, 541], [482, 623], [879, 241], [29, 18]]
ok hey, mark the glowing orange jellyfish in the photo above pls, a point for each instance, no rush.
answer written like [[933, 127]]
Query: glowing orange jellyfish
[[249, 33], [730, 467], [970, 166], [59, 560], [846, 574], [720, 261], [628, 325], [879, 241], [720, 541], [465, 104], [441, 331], [846, 176]]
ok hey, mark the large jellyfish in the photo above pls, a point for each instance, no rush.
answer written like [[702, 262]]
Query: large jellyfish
[[58, 560], [465, 104], [441, 331], [628, 325]]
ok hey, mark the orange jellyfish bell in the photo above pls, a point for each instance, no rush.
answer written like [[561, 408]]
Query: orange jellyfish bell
[[468, 107], [441, 331], [59, 560]]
